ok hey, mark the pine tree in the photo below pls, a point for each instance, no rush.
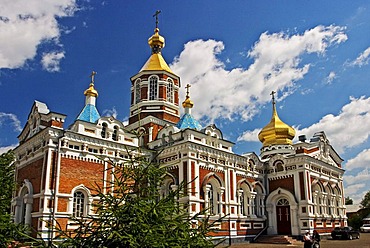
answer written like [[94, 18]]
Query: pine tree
[[8, 230], [131, 212]]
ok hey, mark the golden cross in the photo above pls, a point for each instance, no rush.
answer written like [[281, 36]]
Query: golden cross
[[187, 89], [273, 96], [156, 18], [93, 73]]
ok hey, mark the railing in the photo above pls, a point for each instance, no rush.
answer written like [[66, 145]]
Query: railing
[[259, 234]]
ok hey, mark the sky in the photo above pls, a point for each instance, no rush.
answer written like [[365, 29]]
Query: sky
[[314, 54]]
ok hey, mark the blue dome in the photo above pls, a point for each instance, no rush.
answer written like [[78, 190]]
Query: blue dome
[[89, 114], [188, 121]]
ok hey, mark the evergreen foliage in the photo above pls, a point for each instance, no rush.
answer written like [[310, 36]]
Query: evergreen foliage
[[131, 213], [9, 231], [366, 200], [349, 201], [6, 190]]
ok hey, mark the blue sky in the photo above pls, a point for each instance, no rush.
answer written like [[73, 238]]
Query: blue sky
[[315, 54]]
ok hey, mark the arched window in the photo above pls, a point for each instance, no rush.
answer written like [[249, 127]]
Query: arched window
[[282, 202], [153, 88], [318, 199], [24, 202], [213, 197], [115, 133], [245, 200], [104, 130], [338, 201], [259, 202], [137, 91], [169, 90], [279, 166], [79, 204], [23, 206], [167, 186]]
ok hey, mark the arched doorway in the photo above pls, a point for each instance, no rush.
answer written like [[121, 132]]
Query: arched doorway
[[284, 201], [283, 216]]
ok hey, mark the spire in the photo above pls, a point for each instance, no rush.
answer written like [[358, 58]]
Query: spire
[[156, 42], [187, 120], [89, 113], [276, 132]]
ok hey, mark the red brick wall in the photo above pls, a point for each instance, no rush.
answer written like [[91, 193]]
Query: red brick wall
[[32, 172], [286, 183], [74, 172]]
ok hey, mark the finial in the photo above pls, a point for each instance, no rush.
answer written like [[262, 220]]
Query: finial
[[187, 90], [93, 73], [156, 18], [273, 97], [187, 104]]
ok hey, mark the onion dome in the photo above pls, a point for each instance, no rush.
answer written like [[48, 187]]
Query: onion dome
[[187, 103], [91, 91], [187, 120], [156, 62], [276, 132]]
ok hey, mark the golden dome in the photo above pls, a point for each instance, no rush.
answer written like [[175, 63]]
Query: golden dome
[[276, 132], [156, 41], [187, 103], [156, 62], [91, 91]]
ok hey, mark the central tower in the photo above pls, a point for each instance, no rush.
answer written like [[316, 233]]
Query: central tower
[[154, 92]]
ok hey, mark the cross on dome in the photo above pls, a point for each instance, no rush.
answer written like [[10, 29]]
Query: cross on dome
[[273, 96], [92, 76], [187, 90], [156, 18]]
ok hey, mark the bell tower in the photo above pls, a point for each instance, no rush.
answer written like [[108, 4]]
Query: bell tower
[[154, 92]]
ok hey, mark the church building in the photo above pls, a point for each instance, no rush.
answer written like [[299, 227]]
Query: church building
[[287, 188]]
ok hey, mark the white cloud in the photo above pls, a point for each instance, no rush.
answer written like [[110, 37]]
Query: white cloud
[[110, 112], [249, 135], [362, 160], [340, 128], [355, 192], [7, 148], [329, 79], [356, 185], [362, 59], [352, 189], [239, 92], [8, 118], [51, 61], [24, 25]]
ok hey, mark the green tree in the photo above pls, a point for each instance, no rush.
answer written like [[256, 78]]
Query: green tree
[[366, 200], [6, 190], [134, 214], [9, 231], [349, 201]]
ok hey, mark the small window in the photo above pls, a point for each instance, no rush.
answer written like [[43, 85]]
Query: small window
[[104, 130], [115, 133], [153, 88], [169, 90], [79, 204], [137, 91]]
